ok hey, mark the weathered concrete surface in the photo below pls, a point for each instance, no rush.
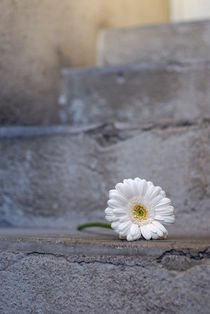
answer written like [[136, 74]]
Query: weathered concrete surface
[[174, 42], [59, 177], [136, 92], [81, 275]]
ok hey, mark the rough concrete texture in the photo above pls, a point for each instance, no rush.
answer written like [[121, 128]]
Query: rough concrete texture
[[174, 42], [59, 177], [40, 37], [143, 92], [81, 275]]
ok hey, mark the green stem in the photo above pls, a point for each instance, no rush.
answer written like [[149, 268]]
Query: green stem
[[95, 224]]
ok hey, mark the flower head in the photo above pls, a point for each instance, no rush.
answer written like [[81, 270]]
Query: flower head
[[137, 208]]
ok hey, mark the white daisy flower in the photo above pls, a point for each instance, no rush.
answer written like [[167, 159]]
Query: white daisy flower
[[137, 208]]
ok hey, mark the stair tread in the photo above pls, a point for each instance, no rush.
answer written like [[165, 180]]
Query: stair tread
[[92, 242]]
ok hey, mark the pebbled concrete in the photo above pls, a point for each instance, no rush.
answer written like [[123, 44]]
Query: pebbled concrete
[[70, 274], [174, 41], [150, 91], [59, 177]]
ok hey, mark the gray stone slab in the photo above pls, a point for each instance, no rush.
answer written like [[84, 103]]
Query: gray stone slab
[[59, 177], [174, 41], [80, 275], [136, 92]]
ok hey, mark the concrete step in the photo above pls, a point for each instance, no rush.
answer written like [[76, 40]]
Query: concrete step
[[58, 177], [177, 42], [137, 92], [99, 274]]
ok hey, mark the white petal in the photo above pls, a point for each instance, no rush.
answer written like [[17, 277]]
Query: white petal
[[131, 187], [164, 201], [169, 219], [116, 195], [165, 219], [122, 233], [155, 236], [165, 210], [123, 218], [152, 227], [160, 217], [109, 211], [165, 235], [150, 189], [134, 233], [115, 225], [134, 188], [163, 193], [160, 191], [119, 210], [113, 203], [139, 186], [112, 193], [145, 231], [117, 217], [124, 226], [144, 187], [123, 229], [124, 189], [156, 191], [159, 232], [138, 181], [135, 230], [157, 199], [121, 188], [155, 229], [160, 226], [110, 218]]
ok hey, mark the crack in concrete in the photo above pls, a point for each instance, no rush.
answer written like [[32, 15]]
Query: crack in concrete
[[194, 254], [182, 260], [79, 259], [172, 260], [111, 133]]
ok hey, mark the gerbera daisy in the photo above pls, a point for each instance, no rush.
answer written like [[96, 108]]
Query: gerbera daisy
[[137, 208]]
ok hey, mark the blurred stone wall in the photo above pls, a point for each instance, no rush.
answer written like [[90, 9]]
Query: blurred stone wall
[[39, 37]]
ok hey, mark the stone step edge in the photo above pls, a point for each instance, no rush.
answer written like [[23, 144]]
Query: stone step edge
[[155, 25], [83, 246], [36, 131], [135, 67]]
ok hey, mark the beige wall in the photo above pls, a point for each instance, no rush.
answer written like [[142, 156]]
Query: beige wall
[[38, 37], [187, 10]]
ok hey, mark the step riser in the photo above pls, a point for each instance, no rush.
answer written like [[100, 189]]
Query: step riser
[[138, 92], [62, 179], [154, 43]]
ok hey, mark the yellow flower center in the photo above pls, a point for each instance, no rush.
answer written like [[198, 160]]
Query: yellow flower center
[[140, 212]]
